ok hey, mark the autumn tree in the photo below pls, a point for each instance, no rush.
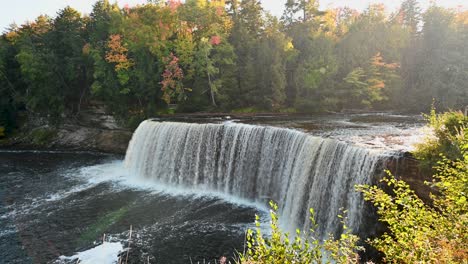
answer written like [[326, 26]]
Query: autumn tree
[[232, 55], [369, 85], [172, 77]]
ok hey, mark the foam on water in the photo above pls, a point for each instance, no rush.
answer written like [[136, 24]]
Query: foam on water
[[61, 200], [386, 138], [122, 177], [106, 253]]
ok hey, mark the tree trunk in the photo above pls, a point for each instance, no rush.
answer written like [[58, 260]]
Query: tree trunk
[[213, 101]]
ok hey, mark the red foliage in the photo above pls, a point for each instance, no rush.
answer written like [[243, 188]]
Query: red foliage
[[219, 11], [127, 8], [174, 4], [215, 40], [171, 77]]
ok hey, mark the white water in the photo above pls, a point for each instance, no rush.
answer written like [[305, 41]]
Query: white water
[[257, 163], [106, 253], [123, 178]]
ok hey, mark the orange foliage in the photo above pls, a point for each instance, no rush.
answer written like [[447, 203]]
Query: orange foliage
[[220, 11], [117, 53], [462, 17], [378, 61]]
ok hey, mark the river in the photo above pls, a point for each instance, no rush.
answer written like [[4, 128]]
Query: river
[[184, 199]]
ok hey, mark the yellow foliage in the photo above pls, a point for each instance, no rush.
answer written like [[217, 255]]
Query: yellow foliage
[[86, 49], [289, 46]]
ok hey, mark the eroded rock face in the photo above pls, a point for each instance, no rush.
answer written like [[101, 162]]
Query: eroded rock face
[[72, 137], [94, 129], [115, 141], [97, 139], [96, 115], [407, 168]]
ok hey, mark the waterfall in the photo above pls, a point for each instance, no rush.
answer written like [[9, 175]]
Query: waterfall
[[297, 170]]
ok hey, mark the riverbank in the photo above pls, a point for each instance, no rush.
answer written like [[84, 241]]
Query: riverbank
[[70, 137]]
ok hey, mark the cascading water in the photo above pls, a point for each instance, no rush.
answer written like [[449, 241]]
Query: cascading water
[[297, 170]]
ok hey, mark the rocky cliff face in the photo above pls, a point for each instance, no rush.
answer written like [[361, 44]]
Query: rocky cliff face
[[71, 137], [93, 130], [406, 167], [86, 138]]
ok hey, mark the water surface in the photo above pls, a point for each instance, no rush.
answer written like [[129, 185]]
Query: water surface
[[60, 203], [55, 204]]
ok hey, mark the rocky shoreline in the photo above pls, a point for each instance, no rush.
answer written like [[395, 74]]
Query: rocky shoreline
[[71, 137], [94, 129]]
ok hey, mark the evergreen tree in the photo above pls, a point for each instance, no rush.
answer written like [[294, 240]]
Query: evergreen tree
[[232, 55]]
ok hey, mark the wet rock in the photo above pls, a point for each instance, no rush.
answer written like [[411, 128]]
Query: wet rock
[[94, 129], [96, 115], [407, 168], [115, 141], [72, 137], [96, 139]]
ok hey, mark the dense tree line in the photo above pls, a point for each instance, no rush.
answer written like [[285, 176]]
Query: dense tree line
[[217, 55]]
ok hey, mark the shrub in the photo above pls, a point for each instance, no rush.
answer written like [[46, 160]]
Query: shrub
[[42, 136], [134, 121], [421, 233], [448, 131], [303, 249]]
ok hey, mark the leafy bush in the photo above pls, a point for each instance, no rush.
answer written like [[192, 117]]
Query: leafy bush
[[280, 248], [42, 136], [421, 233], [448, 131], [134, 121]]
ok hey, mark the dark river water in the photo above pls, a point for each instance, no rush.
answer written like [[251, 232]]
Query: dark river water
[[54, 205], [58, 203]]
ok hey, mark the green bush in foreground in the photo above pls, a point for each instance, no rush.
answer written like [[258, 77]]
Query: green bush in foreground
[[448, 130], [421, 233], [417, 232], [280, 248]]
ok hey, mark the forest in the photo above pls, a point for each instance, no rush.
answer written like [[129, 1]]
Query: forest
[[226, 57], [233, 56]]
